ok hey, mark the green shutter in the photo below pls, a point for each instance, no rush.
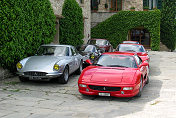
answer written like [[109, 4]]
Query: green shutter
[[145, 3], [159, 4]]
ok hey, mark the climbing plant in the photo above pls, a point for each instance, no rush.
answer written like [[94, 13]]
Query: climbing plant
[[24, 26], [116, 28]]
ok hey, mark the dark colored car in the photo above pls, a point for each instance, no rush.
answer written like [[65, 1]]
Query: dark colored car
[[131, 42], [89, 52], [104, 44]]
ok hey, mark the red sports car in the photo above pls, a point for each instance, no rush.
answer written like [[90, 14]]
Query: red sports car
[[138, 48], [104, 44], [131, 42], [114, 74]]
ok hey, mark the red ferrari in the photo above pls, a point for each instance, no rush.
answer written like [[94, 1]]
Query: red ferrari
[[138, 48], [114, 74]]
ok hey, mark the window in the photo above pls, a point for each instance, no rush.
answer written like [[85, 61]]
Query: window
[[152, 4], [82, 1], [139, 61], [73, 52]]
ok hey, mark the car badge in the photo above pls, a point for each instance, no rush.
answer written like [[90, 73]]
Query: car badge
[[104, 88], [35, 73]]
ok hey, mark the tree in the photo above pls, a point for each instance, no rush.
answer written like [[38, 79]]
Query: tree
[[24, 26], [168, 24], [71, 26]]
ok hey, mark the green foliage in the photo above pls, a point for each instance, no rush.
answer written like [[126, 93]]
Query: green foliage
[[116, 28], [71, 26], [168, 24], [25, 25]]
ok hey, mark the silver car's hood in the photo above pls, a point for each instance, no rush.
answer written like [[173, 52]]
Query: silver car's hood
[[41, 63]]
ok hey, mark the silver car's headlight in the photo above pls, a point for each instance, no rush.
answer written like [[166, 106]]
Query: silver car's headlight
[[56, 67], [19, 65]]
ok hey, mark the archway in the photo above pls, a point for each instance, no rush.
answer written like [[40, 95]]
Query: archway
[[141, 35]]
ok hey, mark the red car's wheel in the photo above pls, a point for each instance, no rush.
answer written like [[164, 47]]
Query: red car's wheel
[[140, 89]]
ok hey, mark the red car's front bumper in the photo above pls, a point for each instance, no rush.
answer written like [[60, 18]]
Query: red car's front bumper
[[120, 93]]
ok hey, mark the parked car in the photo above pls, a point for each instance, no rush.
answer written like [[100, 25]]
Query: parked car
[[119, 74], [51, 61], [89, 52], [104, 44], [131, 42], [138, 48]]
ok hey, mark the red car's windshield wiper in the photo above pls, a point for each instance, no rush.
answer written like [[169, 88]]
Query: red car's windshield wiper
[[117, 66], [97, 64]]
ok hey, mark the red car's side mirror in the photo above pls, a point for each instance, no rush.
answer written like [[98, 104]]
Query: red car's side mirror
[[88, 61], [143, 64]]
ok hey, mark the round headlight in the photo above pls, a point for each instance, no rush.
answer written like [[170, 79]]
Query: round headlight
[[56, 67], [92, 56], [19, 65]]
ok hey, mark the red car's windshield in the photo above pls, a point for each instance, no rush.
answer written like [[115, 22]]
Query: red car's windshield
[[116, 61], [129, 47]]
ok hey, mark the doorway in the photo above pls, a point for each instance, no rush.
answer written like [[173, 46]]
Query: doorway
[[141, 35]]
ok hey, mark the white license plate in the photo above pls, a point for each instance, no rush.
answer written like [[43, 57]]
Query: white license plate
[[35, 78], [104, 94]]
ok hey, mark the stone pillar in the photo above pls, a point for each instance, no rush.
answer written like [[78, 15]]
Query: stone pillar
[[101, 6]]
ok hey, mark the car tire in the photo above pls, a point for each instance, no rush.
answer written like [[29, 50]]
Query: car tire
[[80, 68], [23, 79], [65, 76], [147, 80], [140, 89]]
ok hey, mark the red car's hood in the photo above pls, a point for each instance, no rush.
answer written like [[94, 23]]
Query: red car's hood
[[113, 75]]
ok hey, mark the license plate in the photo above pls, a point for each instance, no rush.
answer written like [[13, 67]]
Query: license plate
[[35, 78], [104, 94]]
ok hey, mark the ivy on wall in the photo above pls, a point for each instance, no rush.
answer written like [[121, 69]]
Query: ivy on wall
[[71, 26], [25, 25], [116, 28], [168, 24]]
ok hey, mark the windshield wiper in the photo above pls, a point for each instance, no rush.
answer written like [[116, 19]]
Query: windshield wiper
[[97, 64], [117, 66]]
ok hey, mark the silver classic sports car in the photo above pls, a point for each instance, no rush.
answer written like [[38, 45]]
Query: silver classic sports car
[[51, 61]]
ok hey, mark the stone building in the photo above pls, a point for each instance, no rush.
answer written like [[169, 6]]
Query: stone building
[[85, 5], [103, 9]]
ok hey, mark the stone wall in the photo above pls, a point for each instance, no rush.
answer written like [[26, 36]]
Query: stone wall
[[99, 17], [4, 74], [57, 8], [127, 4]]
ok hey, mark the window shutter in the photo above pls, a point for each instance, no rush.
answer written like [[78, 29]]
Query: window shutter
[[145, 3], [159, 4]]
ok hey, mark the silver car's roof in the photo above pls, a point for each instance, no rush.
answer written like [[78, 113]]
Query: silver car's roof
[[56, 45]]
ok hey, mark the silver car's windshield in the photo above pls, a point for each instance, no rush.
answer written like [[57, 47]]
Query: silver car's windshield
[[116, 61], [53, 50], [132, 48]]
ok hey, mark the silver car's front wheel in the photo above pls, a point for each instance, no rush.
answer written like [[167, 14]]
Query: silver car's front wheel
[[65, 76]]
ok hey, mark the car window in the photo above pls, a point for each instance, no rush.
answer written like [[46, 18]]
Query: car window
[[138, 59], [133, 48], [116, 61], [73, 52]]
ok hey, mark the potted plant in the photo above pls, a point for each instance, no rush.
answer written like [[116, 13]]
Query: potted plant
[[132, 8], [146, 8], [111, 9], [95, 9], [106, 5]]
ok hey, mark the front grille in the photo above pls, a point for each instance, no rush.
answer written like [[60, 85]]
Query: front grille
[[35, 73], [104, 88]]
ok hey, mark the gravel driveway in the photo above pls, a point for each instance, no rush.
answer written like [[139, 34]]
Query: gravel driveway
[[52, 100]]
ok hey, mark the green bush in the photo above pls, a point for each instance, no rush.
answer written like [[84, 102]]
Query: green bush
[[25, 25], [71, 26], [116, 28], [168, 24]]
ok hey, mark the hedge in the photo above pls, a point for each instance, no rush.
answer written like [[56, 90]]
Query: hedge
[[71, 26], [116, 28], [25, 25], [168, 24]]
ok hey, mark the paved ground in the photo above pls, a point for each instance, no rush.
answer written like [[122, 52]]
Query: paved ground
[[52, 100]]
